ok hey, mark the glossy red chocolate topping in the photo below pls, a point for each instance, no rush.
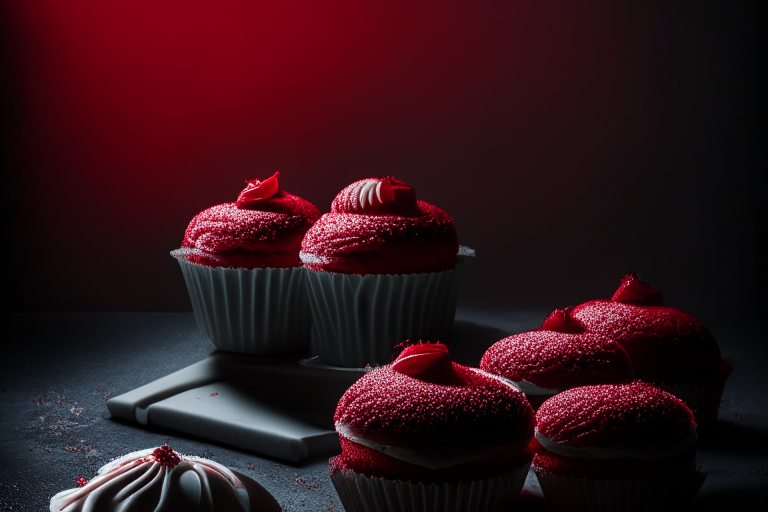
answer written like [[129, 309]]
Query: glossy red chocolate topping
[[665, 344], [613, 416], [558, 360], [429, 362], [258, 191], [424, 402], [377, 226], [264, 228]]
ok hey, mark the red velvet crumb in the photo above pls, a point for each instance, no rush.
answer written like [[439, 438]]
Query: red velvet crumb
[[166, 457], [81, 481]]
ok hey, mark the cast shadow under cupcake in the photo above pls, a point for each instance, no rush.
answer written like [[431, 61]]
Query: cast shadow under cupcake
[[209, 447], [471, 340], [733, 438], [735, 498]]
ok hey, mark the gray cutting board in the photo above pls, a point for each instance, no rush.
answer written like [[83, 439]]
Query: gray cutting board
[[279, 406]]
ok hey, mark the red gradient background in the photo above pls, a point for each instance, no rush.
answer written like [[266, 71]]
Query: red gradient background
[[572, 141]]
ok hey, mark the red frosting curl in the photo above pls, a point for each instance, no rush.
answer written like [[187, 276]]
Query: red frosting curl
[[263, 228], [257, 191], [429, 362], [634, 291], [560, 320]]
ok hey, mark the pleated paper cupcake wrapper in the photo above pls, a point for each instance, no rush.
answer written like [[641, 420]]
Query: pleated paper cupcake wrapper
[[360, 493], [249, 311], [703, 398], [358, 320], [667, 489]]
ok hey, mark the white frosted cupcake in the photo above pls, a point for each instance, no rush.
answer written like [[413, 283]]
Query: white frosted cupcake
[[160, 479], [242, 269], [383, 267]]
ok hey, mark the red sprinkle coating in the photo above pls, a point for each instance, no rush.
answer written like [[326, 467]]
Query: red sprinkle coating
[[166, 457], [557, 360], [232, 236], [665, 344], [353, 243], [398, 410], [633, 415]]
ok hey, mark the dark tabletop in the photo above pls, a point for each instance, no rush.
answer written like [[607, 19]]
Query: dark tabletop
[[58, 371]]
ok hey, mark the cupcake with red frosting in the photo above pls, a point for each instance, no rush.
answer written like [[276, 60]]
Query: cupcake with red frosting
[[161, 479], [241, 265], [616, 447], [558, 356], [668, 347], [383, 266], [424, 434]]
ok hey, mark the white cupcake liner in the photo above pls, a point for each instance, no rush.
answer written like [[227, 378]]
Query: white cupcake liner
[[360, 493], [359, 319], [249, 311], [666, 489]]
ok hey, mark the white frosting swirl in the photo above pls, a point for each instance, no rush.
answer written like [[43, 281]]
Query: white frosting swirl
[[532, 389], [136, 482], [368, 193], [641, 452]]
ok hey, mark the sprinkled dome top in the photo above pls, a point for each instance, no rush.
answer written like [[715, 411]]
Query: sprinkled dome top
[[614, 416], [377, 226], [263, 222], [558, 360], [665, 344], [424, 401]]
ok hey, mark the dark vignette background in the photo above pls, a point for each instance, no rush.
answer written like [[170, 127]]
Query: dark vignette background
[[572, 141]]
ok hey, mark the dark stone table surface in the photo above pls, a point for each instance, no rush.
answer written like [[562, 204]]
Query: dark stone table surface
[[58, 370]]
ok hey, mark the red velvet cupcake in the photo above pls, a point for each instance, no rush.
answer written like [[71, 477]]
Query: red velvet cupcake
[[161, 479], [241, 264], [426, 434], [558, 356], [384, 266], [668, 347], [616, 448]]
